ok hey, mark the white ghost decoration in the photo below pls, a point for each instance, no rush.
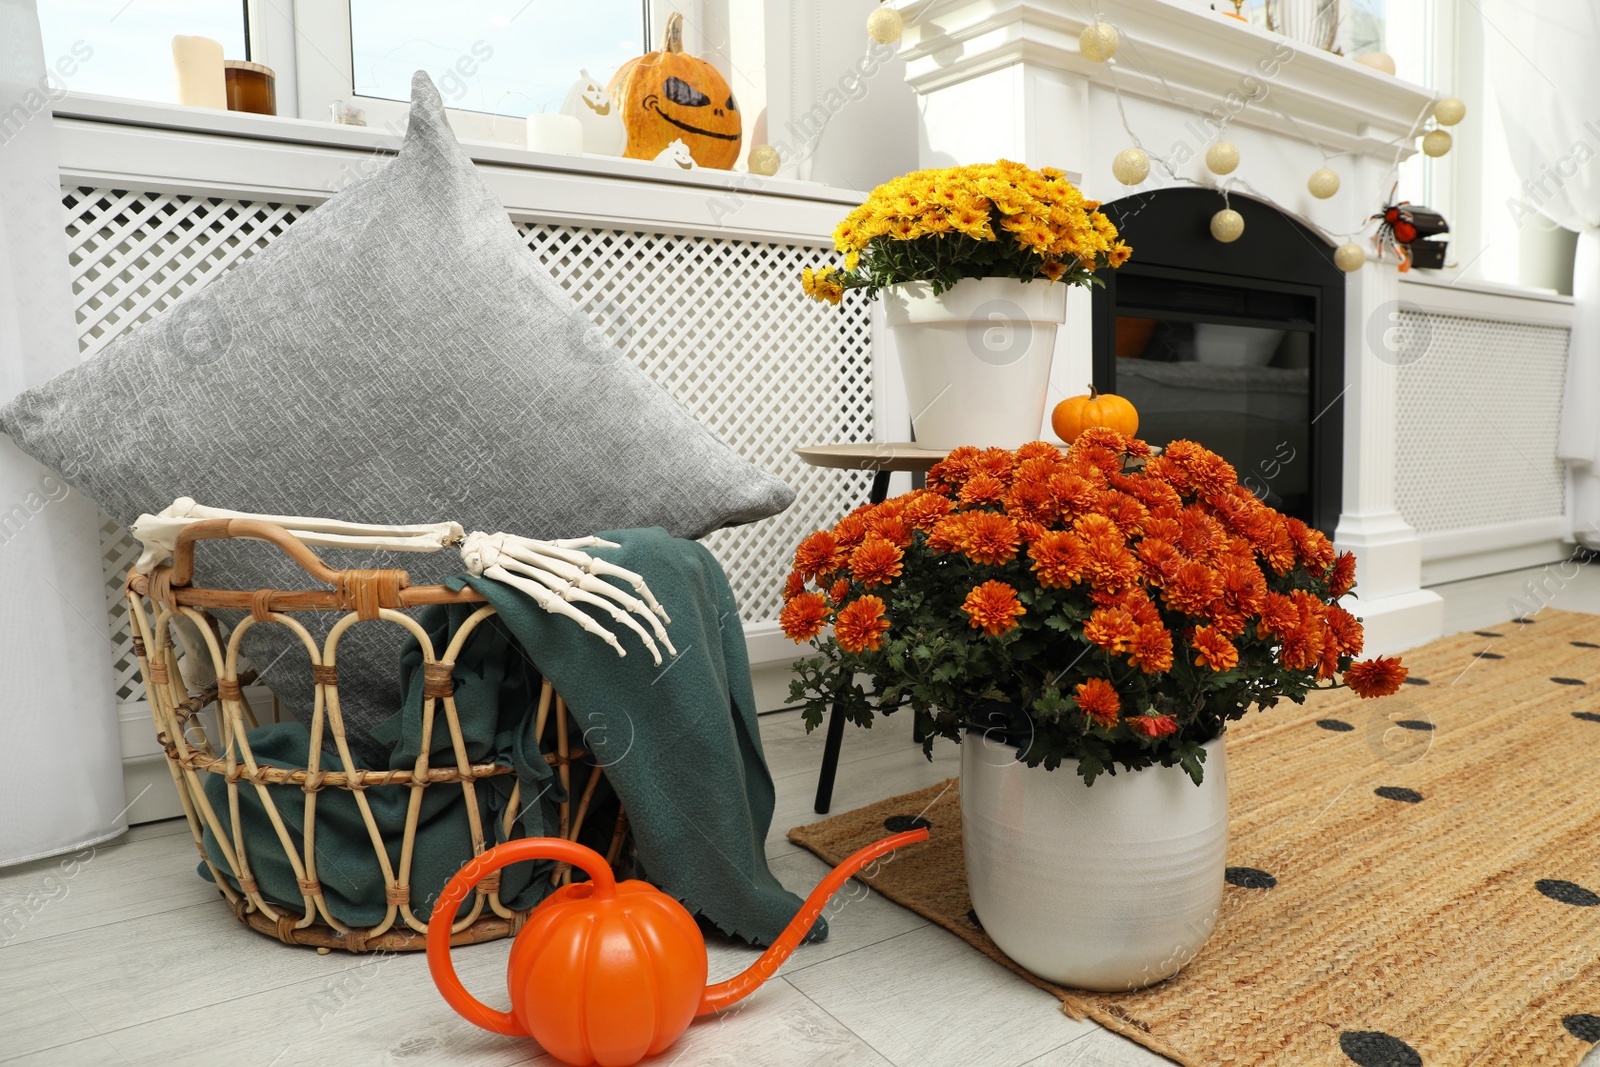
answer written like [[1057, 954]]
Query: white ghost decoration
[[601, 119], [677, 155]]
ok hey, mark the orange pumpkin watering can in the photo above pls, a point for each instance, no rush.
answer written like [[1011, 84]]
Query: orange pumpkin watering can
[[606, 973]]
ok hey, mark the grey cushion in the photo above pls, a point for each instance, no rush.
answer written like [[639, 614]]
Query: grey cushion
[[398, 356]]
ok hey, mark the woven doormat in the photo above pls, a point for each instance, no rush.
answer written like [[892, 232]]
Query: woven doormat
[[1412, 881]]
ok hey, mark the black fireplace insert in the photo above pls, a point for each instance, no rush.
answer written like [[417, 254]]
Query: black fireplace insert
[[1238, 346]]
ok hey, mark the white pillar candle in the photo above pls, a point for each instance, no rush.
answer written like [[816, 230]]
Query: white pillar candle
[[559, 134], [197, 61]]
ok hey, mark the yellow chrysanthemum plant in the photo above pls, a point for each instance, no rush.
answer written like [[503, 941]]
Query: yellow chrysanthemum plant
[[991, 220]]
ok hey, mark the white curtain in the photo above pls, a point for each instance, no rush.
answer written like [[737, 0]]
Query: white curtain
[[1544, 58], [60, 757]]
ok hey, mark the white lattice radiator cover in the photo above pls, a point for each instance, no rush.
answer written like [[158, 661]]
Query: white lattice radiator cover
[[1478, 413], [719, 323]]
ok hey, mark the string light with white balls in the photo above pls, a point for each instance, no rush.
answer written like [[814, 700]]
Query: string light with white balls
[[1098, 43], [885, 25], [763, 160]]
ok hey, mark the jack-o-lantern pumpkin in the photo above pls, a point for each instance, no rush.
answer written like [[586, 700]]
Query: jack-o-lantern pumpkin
[[668, 96]]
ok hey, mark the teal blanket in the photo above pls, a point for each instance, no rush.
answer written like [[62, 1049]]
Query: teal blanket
[[678, 744]]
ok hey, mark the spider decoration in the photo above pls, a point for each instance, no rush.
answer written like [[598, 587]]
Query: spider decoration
[[1401, 226]]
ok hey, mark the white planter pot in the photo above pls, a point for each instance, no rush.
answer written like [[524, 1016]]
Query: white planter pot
[[976, 358], [1106, 887]]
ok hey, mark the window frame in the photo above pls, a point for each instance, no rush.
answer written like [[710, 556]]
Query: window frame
[[323, 68]]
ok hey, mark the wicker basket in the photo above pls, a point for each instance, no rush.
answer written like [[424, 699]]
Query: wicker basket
[[169, 615]]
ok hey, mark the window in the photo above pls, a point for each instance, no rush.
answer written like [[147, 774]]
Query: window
[[124, 47], [1402, 28], [501, 57]]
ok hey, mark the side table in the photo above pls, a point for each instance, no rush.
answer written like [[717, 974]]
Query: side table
[[883, 458]]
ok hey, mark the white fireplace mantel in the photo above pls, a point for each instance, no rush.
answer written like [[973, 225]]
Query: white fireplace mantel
[[1173, 53], [1006, 79]]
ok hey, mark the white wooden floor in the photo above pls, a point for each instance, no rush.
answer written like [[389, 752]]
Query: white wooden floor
[[134, 960]]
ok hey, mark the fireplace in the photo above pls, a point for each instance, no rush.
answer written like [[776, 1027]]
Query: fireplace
[[1260, 349], [1237, 346]]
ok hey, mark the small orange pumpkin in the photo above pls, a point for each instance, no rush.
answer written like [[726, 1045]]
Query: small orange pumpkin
[[1076, 414], [667, 96]]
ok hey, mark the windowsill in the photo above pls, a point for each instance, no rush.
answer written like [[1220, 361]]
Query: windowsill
[[125, 112], [1443, 280]]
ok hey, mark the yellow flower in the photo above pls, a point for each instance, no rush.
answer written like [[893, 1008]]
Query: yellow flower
[[828, 286], [822, 285], [901, 230], [851, 259]]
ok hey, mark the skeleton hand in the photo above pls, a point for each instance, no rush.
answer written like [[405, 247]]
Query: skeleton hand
[[556, 574], [561, 575]]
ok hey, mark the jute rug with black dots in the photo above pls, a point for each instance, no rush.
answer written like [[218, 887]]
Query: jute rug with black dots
[[1412, 881]]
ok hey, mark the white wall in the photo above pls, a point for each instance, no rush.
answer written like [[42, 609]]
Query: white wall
[[60, 763]]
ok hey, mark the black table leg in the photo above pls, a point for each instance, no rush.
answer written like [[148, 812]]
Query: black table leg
[[830, 759], [880, 487], [835, 741]]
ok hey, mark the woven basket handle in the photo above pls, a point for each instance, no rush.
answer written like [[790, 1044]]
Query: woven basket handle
[[254, 529], [456, 890]]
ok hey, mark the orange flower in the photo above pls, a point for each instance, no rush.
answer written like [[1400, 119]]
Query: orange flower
[[1342, 575], [892, 528], [1165, 469], [793, 585], [1279, 615], [1243, 586], [1153, 493], [1107, 439], [993, 607], [839, 591], [980, 490], [849, 530], [1122, 509], [1031, 500], [990, 538], [1346, 629], [948, 474], [1030, 531], [803, 616], [1313, 546], [1192, 589], [1039, 450], [1075, 494], [818, 554], [1057, 558], [948, 533], [1099, 701], [925, 509], [1151, 649], [1140, 606], [1209, 474], [1108, 564], [1305, 644], [995, 462], [860, 625], [1199, 535], [1099, 448], [1278, 548], [1213, 649], [1154, 725], [876, 562], [1113, 629], [1161, 561], [1375, 677]]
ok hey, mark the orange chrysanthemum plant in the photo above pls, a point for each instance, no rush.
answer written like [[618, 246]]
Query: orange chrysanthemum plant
[[1114, 608]]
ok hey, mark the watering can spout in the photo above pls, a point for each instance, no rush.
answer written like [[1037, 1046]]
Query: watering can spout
[[741, 985]]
